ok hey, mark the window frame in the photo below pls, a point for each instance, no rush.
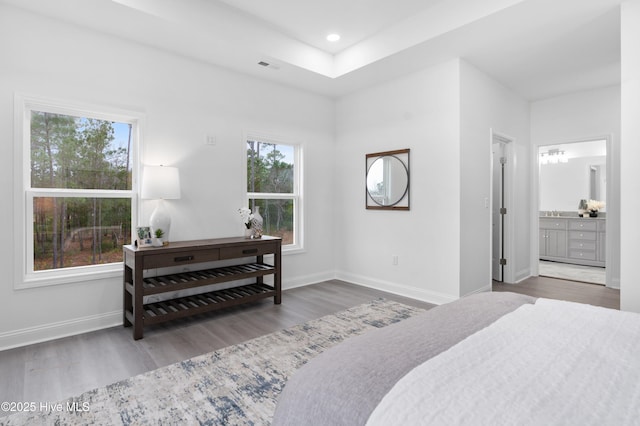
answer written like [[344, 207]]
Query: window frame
[[298, 187], [24, 275]]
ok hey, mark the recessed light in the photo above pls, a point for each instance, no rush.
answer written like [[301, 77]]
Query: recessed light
[[333, 37]]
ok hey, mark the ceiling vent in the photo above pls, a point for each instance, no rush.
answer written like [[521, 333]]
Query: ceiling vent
[[269, 65]]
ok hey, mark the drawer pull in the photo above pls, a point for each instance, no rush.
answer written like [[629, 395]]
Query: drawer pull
[[250, 251], [182, 258]]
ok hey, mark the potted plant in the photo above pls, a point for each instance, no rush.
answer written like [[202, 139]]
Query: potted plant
[[157, 241]]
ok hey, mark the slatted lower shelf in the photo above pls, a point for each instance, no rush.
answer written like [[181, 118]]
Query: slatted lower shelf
[[204, 302], [189, 279]]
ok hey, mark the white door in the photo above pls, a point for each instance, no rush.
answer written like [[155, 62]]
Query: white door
[[497, 217]]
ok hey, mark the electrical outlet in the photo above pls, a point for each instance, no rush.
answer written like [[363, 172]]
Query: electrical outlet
[[211, 140]]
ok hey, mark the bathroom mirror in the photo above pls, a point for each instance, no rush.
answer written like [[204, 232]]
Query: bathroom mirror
[[582, 175], [387, 180]]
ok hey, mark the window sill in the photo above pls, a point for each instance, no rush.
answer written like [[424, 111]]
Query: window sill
[[293, 250], [84, 274]]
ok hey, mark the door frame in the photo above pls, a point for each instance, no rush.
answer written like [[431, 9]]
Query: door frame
[[508, 274], [612, 206]]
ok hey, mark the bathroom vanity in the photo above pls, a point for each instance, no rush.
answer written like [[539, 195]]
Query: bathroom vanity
[[574, 240]]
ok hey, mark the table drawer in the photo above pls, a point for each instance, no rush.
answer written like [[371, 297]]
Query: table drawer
[[586, 235], [246, 251], [582, 254], [166, 260]]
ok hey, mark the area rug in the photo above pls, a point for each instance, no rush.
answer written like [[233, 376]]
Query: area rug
[[236, 385]]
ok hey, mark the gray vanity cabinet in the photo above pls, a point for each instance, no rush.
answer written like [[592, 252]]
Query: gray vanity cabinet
[[573, 240], [553, 238], [602, 234]]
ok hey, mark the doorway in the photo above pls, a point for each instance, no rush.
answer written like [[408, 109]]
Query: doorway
[[572, 245], [499, 162]]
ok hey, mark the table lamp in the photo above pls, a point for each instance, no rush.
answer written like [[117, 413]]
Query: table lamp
[[160, 183]]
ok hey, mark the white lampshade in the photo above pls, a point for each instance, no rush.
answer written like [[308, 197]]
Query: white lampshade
[[160, 182]]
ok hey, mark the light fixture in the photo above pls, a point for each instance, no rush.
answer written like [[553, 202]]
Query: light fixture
[[553, 156], [160, 183], [333, 37]]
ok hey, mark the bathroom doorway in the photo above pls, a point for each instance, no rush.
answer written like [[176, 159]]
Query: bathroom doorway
[[572, 211]]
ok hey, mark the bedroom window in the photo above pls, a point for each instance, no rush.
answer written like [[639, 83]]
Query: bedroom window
[[78, 199], [273, 188]]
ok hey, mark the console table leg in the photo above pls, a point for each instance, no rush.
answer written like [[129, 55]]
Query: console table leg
[[277, 277]]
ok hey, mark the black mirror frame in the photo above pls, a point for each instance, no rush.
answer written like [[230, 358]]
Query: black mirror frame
[[403, 202]]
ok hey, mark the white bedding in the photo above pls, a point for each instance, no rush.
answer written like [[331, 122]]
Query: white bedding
[[552, 362]]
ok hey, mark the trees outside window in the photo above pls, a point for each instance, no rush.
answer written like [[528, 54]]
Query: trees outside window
[[79, 190], [273, 185]]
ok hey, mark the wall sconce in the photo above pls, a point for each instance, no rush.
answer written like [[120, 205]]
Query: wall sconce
[[553, 156], [160, 183]]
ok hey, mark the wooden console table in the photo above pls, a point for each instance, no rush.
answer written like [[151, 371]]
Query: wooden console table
[[188, 254]]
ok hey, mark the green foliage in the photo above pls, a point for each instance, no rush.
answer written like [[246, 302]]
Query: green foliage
[[270, 171], [266, 170], [77, 153]]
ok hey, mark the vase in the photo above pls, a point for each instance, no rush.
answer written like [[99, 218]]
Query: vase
[[593, 213], [257, 222], [248, 232]]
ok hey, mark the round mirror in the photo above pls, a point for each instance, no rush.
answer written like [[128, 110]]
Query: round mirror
[[387, 180]]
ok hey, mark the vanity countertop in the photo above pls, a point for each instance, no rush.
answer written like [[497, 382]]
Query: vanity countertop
[[573, 217]]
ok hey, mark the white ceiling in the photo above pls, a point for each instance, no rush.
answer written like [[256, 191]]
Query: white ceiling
[[311, 21], [538, 48]]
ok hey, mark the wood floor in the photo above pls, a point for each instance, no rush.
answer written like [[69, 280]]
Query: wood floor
[[553, 288], [53, 371]]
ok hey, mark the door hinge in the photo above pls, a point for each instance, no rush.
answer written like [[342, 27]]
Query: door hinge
[[503, 210], [503, 261]]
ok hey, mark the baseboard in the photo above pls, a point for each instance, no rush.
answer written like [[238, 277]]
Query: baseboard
[[484, 289], [43, 333], [395, 288], [615, 284], [523, 275], [305, 280]]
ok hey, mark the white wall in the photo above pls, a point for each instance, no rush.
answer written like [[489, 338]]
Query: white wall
[[576, 116], [183, 101], [582, 116], [486, 105], [419, 112], [630, 148], [444, 115]]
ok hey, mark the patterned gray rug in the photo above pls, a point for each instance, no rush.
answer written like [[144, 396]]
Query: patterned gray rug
[[237, 385]]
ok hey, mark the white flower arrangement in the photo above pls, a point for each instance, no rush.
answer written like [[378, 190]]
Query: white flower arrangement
[[595, 205], [247, 216]]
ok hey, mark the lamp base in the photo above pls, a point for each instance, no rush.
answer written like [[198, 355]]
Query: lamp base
[[160, 219]]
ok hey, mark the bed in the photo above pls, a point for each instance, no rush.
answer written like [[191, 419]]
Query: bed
[[492, 358]]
